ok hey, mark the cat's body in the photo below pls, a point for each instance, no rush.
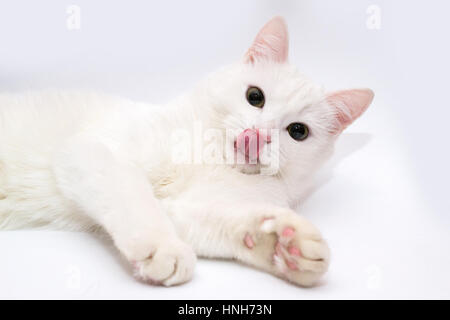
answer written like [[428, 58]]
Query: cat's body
[[80, 161]]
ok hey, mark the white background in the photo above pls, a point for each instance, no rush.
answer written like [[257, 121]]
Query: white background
[[383, 200]]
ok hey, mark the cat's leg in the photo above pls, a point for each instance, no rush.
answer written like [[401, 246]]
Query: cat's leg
[[271, 238], [116, 195]]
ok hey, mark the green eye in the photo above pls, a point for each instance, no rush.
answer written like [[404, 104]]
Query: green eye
[[298, 131], [255, 97]]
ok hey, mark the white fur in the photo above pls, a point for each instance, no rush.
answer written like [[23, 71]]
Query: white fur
[[84, 161]]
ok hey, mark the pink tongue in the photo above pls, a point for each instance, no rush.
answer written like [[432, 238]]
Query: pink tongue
[[249, 143]]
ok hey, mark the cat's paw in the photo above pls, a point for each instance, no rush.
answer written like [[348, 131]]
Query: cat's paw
[[290, 247], [169, 264]]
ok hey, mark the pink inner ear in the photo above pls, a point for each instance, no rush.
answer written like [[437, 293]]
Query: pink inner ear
[[271, 43], [350, 104]]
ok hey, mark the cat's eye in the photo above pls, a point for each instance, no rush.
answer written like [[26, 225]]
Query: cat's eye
[[298, 131], [255, 97]]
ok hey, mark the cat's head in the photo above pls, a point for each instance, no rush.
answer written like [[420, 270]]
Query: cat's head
[[271, 107]]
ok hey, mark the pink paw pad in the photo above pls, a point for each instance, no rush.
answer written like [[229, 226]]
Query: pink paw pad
[[248, 240], [288, 232], [291, 265], [295, 251]]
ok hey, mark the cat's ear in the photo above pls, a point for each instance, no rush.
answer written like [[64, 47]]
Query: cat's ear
[[349, 104], [271, 43]]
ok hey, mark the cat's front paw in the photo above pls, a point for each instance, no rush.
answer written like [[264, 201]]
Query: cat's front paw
[[290, 247], [169, 264]]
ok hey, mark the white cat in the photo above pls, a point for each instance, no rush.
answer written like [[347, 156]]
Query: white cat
[[83, 161]]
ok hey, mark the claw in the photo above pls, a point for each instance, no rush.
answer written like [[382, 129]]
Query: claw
[[278, 249]]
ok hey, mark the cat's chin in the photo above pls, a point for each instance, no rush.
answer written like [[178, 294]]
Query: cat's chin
[[249, 168], [257, 168]]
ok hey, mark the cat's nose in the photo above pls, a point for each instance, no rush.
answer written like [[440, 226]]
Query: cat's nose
[[250, 142]]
